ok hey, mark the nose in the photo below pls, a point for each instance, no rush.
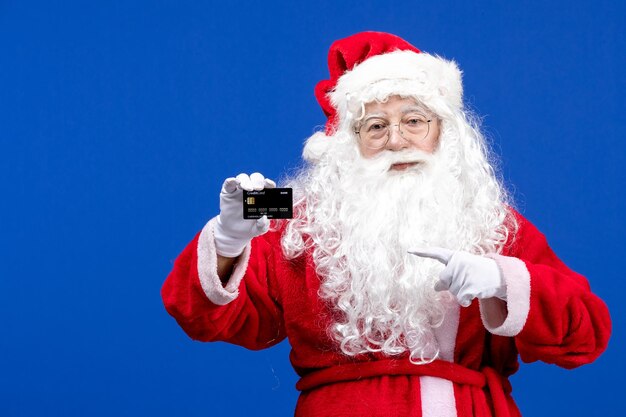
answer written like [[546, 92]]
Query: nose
[[396, 141]]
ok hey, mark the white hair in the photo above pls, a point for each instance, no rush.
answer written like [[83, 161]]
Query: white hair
[[357, 219]]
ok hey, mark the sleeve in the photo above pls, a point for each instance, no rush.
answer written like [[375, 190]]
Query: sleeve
[[245, 311], [550, 309]]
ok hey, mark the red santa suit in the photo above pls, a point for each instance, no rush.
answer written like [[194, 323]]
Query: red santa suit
[[551, 315]]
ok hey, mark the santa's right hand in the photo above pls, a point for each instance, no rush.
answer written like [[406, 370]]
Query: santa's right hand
[[232, 232]]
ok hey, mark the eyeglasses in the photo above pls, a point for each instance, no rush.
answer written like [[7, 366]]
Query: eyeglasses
[[375, 132]]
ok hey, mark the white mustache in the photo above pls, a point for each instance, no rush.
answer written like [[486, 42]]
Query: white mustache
[[386, 159]]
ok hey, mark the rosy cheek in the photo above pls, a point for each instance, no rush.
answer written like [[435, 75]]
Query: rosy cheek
[[367, 153]]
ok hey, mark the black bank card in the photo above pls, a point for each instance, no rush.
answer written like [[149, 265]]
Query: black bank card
[[275, 203]]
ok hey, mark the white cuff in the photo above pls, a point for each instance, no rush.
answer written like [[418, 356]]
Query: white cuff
[[508, 318], [207, 268]]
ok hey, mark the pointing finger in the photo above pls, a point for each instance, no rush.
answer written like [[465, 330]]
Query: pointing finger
[[443, 255]]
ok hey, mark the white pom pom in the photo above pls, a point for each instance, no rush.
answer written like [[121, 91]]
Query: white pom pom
[[315, 147]]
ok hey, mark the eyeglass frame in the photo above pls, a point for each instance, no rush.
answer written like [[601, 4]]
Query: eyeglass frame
[[358, 133]]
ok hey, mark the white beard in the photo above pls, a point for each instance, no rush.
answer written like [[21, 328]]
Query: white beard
[[387, 296], [360, 219]]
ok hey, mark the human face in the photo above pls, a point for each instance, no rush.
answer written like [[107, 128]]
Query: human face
[[392, 112]]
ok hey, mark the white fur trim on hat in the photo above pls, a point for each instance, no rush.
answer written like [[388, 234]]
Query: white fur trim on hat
[[434, 81]]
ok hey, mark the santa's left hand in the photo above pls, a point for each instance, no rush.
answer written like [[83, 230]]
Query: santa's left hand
[[466, 276]]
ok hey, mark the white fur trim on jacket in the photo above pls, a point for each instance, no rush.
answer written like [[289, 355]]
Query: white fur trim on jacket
[[508, 320], [434, 81], [207, 268], [437, 394]]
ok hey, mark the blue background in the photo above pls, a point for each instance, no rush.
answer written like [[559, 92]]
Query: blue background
[[119, 121]]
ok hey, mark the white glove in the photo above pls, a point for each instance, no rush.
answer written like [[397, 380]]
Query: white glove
[[466, 276], [232, 232]]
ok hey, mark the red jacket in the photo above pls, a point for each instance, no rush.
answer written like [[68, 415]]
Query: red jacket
[[551, 315]]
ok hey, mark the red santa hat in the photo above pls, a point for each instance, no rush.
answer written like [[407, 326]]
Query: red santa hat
[[375, 65]]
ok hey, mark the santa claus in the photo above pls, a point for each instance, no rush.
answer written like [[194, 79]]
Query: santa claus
[[406, 283]]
